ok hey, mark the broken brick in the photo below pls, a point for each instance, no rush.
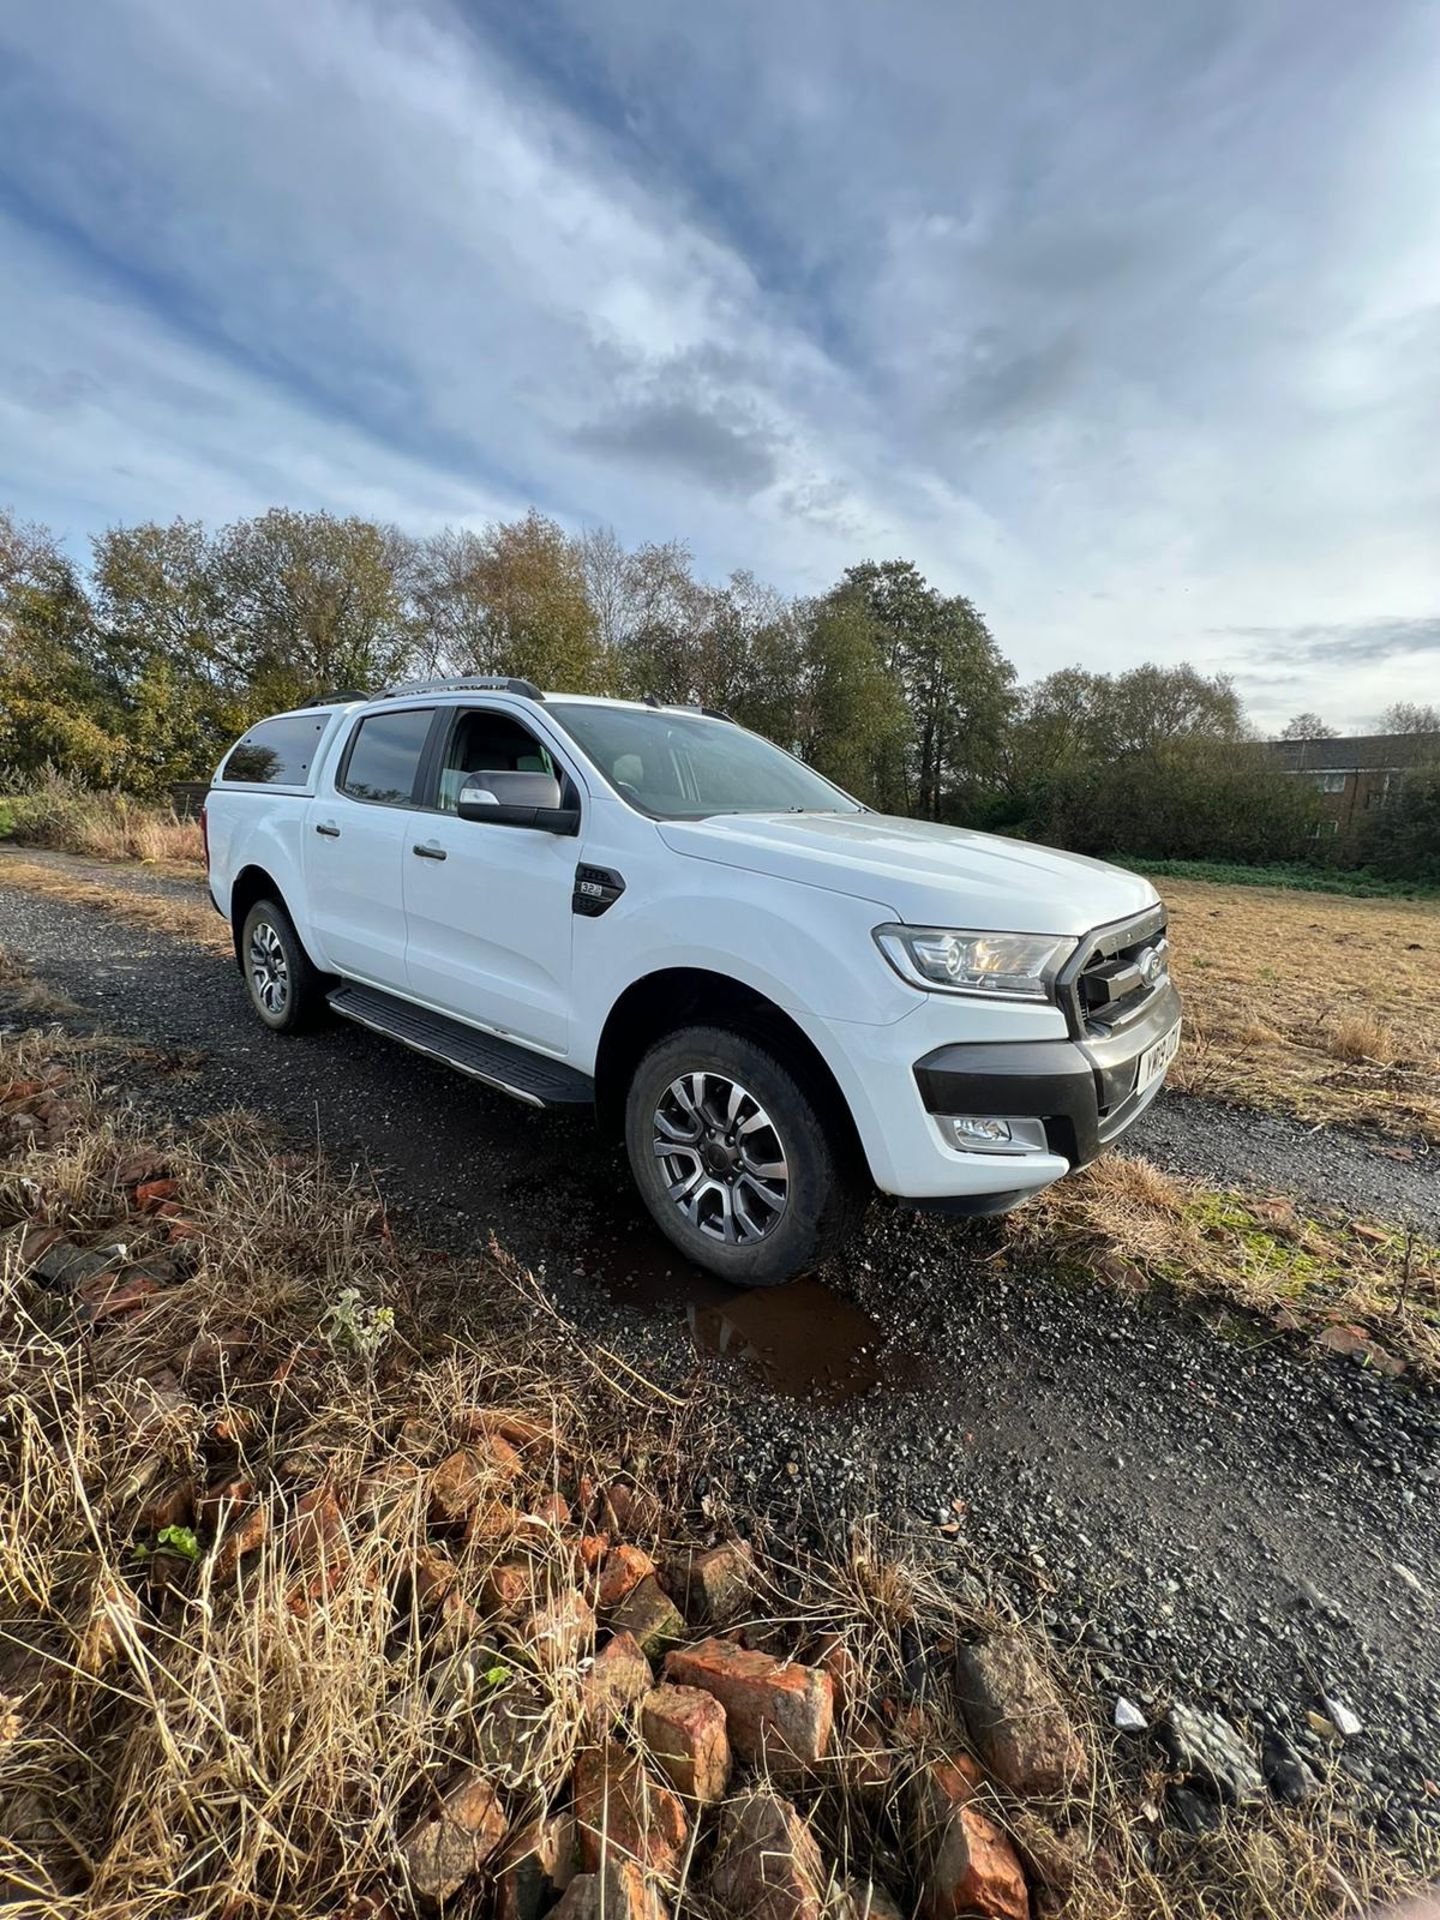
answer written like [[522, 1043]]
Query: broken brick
[[623, 1570], [442, 1852], [619, 1676], [776, 1710], [621, 1810], [684, 1730]]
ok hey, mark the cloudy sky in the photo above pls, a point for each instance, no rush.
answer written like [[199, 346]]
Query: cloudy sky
[[1122, 318]]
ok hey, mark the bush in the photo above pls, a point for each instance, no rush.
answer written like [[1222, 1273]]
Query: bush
[[1402, 840], [65, 815], [1193, 801]]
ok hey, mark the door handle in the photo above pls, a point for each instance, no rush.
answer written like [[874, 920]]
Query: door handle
[[330, 832], [428, 853]]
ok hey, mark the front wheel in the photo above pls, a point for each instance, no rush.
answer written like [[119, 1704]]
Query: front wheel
[[284, 988], [736, 1160]]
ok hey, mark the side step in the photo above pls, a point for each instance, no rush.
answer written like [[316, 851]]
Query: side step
[[514, 1070]]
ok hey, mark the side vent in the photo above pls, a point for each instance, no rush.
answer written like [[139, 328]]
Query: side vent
[[596, 889]]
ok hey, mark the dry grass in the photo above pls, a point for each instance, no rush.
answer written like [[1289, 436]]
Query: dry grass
[[1364, 1287], [1316, 1005], [105, 825], [180, 1738], [193, 920]]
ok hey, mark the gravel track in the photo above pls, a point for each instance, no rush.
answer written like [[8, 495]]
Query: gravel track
[[1200, 1511]]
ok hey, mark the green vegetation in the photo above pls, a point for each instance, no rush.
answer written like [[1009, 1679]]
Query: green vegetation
[[1357, 883], [139, 668]]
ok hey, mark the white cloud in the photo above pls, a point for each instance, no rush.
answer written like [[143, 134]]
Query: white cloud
[[1124, 325]]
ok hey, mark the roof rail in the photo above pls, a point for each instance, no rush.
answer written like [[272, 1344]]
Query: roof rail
[[467, 683], [685, 706], [338, 699]]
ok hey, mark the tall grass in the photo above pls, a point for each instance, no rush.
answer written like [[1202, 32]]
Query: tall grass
[[102, 825]]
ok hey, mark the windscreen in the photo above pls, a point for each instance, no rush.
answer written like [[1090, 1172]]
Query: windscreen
[[683, 766]]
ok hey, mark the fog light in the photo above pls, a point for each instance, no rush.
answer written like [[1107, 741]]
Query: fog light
[[974, 1133]]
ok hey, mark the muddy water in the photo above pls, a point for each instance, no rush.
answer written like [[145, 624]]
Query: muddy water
[[805, 1340]]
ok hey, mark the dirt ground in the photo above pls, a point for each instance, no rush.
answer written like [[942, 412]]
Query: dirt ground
[[1197, 1505]]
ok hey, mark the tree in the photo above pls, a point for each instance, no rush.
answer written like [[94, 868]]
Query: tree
[[1405, 716], [955, 682], [511, 599], [309, 603], [1307, 726]]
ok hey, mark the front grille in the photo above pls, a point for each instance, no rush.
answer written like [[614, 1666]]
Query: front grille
[[1115, 973]]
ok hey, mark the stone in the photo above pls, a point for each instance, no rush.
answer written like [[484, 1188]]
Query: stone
[[442, 1852], [684, 1730], [557, 1632], [150, 1193], [619, 1677], [1287, 1774], [469, 1475], [1016, 1719], [110, 1296], [1205, 1747], [1343, 1717], [517, 1731], [1196, 1812], [317, 1535], [1128, 1717], [832, 1652], [621, 1892], [621, 1810], [623, 1570], [245, 1533], [714, 1585], [767, 1865], [539, 1862], [62, 1264], [170, 1505], [777, 1712], [507, 1586], [631, 1510], [972, 1869], [651, 1616], [863, 1900]]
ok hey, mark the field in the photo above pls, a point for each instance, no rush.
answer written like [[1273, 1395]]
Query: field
[[1311, 1004]]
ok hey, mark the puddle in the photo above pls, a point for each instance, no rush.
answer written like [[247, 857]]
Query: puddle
[[805, 1340]]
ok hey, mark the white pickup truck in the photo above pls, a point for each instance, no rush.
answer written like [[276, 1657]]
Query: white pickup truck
[[779, 998]]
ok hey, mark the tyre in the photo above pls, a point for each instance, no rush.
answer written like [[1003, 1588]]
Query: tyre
[[284, 989], [736, 1159]]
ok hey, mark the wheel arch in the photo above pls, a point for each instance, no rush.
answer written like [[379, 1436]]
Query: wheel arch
[[253, 883], [672, 997]]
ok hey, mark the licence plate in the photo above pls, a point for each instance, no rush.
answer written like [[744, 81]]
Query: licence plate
[[1157, 1058]]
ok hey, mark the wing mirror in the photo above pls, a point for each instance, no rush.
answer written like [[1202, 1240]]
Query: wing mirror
[[517, 800]]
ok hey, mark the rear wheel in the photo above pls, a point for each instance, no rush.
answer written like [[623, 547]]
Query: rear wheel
[[737, 1160], [284, 988]]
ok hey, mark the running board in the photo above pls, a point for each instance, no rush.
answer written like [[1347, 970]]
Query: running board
[[498, 1063]]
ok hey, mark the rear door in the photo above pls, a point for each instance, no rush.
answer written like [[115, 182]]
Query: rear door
[[359, 832], [488, 911]]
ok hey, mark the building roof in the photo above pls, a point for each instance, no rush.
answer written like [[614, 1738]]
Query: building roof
[[1360, 753]]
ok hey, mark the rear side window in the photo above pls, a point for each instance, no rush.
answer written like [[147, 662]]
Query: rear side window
[[383, 758], [276, 753]]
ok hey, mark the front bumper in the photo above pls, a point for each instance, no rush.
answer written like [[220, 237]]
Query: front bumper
[[1083, 1089]]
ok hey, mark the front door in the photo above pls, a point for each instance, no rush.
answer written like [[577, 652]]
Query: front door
[[488, 909], [358, 835]]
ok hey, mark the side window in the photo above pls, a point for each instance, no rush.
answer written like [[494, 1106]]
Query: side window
[[489, 743], [383, 757], [276, 752]]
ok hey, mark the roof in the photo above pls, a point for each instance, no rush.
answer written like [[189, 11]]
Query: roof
[[1359, 753]]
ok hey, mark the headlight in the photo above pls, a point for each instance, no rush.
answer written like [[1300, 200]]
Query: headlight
[[1000, 966]]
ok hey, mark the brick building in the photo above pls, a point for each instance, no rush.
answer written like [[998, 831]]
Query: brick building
[[1355, 775]]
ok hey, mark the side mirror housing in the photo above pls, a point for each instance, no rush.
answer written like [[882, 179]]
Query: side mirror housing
[[517, 800]]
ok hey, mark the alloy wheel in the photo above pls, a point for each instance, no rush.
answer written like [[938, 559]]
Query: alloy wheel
[[722, 1157], [269, 969]]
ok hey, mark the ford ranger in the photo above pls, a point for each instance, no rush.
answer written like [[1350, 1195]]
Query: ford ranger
[[779, 999]]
